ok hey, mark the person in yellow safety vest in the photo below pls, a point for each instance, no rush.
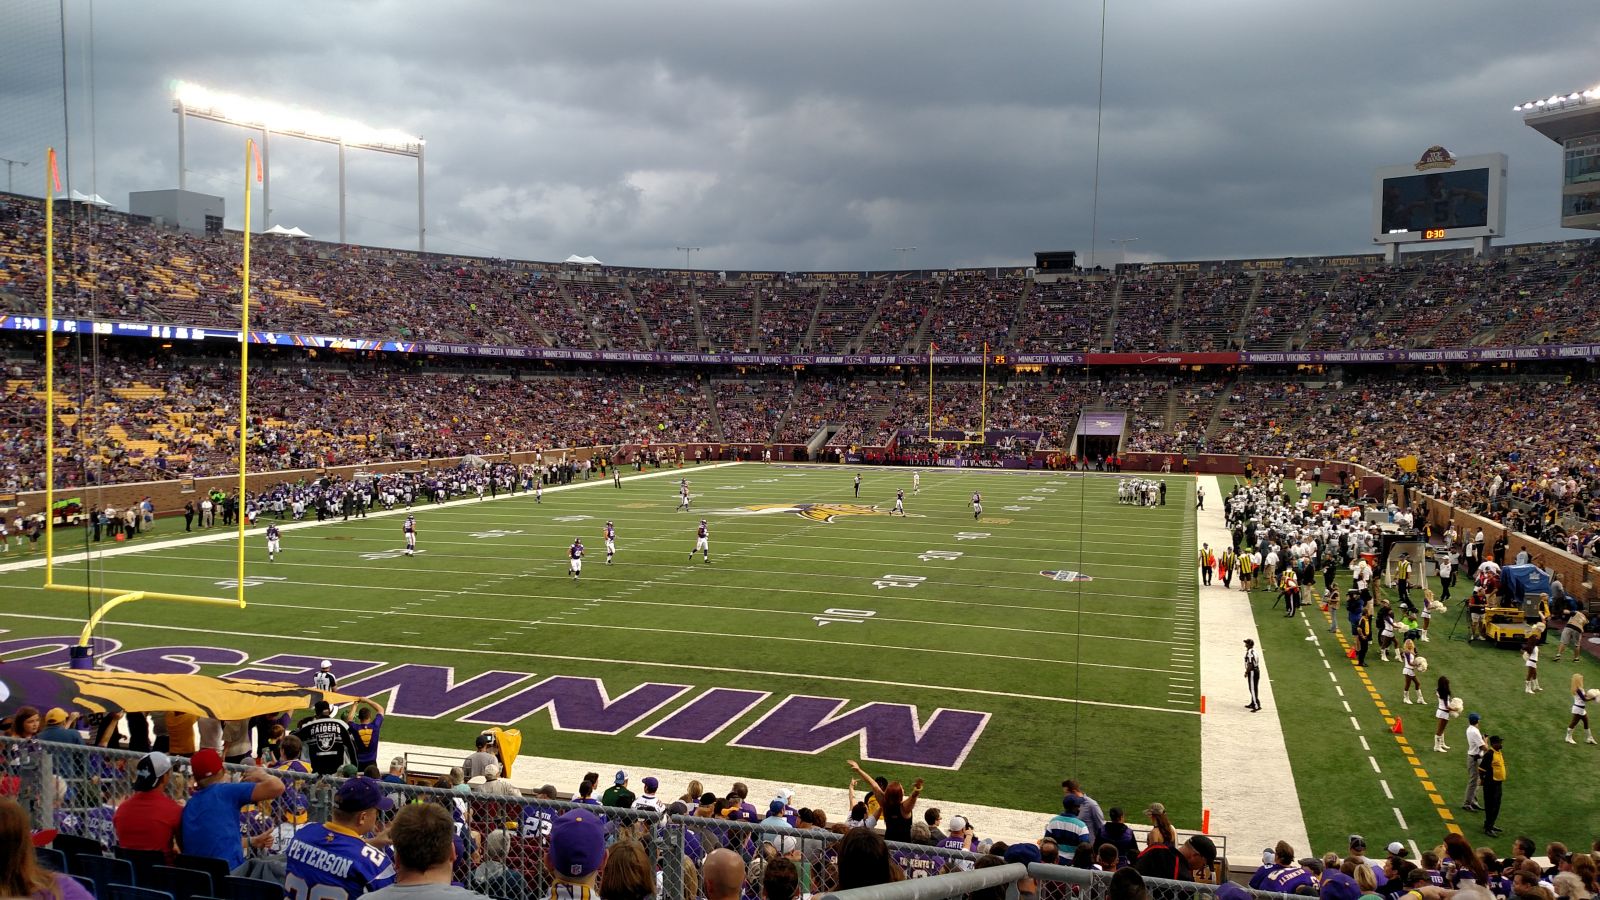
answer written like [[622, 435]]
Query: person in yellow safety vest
[[1247, 572], [1291, 592], [1229, 562], [1402, 581], [1208, 563]]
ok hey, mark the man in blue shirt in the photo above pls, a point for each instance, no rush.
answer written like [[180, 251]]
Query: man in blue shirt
[[334, 860], [211, 817]]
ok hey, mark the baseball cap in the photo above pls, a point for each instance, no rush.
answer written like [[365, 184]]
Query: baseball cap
[[327, 664], [1339, 886], [650, 784], [205, 764], [708, 799], [775, 808], [578, 844], [1474, 718], [785, 795], [483, 740], [1071, 804], [362, 793], [44, 836], [1203, 846], [1229, 890], [55, 716], [148, 771], [1155, 808], [1396, 848], [786, 843], [1023, 853], [1357, 842], [622, 777]]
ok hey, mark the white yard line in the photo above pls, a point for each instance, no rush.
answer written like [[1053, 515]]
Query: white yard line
[[1245, 777]]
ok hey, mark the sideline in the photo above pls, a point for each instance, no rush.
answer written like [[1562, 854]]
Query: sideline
[[1245, 777], [228, 533]]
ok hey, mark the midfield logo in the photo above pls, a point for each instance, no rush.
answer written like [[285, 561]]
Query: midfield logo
[[816, 512], [1054, 575]]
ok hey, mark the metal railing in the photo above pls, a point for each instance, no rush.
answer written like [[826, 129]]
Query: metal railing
[[1014, 880]]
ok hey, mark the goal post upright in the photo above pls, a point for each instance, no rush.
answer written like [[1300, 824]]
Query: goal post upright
[[983, 400]]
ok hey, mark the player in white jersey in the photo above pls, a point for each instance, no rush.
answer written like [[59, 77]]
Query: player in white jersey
[[977, 505], [480, 486], [683, 494], [900, 502], [702, 542], [272, 543], [916, 483], [575, 554], [611, 542], [410, 529], [538, 488], [5, 540]]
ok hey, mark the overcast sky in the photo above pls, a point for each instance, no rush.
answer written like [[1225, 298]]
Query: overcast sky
[[819, 134]]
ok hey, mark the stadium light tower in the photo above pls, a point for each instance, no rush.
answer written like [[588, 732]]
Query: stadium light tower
[[190, 100], [9, 164], [686, 252], [1573, 121]]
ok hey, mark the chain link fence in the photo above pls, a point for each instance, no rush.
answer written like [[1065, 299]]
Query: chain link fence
[[502, 838]]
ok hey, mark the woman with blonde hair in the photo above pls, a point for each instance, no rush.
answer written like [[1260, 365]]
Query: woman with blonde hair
[[692, 795], [627, 873], [20, 872], [1580, 710], [1408, 669]]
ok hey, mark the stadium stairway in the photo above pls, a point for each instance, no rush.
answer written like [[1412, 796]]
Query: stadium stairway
[[1245, 777]]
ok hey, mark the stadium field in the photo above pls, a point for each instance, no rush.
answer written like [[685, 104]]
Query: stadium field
[[1354, 775], [823, 629]]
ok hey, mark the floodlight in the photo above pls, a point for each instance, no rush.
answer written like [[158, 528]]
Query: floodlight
[[269, 117]]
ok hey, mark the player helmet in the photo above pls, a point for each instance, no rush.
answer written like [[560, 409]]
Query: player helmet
[[327, 664], [608, 523], [702, 521]]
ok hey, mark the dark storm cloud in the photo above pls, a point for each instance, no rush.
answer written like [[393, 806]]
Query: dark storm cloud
[[823, 134]]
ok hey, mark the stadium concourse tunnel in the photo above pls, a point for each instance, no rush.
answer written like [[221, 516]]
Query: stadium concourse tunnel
[[74, 790]]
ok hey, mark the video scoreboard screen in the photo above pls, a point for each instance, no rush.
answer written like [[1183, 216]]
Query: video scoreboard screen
[[1440, 198]]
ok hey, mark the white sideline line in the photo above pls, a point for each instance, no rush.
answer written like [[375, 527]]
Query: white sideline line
[[799, 676], [1245, 776]]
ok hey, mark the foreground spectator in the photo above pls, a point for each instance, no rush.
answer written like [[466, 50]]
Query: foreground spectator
[[723, 873], [864, 860], [494, 876], [20, 872], [334, 860], [423, 837], [149, 820], [577, 851], [211, 817], [1177, 863], [628, 874]]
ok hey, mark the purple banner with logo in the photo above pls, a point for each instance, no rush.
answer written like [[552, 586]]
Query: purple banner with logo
[[1098, 424], [331, 342]]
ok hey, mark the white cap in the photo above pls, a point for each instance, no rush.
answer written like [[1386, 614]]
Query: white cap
[[327, 664], [957, 824]]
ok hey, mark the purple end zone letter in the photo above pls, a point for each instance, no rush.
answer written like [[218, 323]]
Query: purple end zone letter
[[429, 692], [888, 732], [580, 704]]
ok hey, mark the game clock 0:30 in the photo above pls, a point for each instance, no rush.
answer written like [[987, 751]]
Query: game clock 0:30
[[1433, 234]]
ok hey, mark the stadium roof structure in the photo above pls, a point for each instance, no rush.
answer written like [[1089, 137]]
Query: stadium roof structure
[[1561, 117]]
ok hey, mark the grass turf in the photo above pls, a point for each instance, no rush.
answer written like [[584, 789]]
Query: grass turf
[[1341, 794], [983, 631]]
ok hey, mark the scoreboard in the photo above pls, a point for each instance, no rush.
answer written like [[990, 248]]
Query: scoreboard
[[1440, 198]]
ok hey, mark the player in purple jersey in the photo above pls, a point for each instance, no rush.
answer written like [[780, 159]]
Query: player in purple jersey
[[575, 554], [611, 542], [900, 502], [702, 543], [272, 543], [334, 861]]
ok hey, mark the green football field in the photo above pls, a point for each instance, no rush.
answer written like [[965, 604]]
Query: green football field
[[1354, 775], [823, 628]]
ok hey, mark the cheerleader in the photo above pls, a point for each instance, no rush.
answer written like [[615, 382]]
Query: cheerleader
[[1385, 626], [1408, 668], [1530, 656], [1580, 711], [1442, 715]]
